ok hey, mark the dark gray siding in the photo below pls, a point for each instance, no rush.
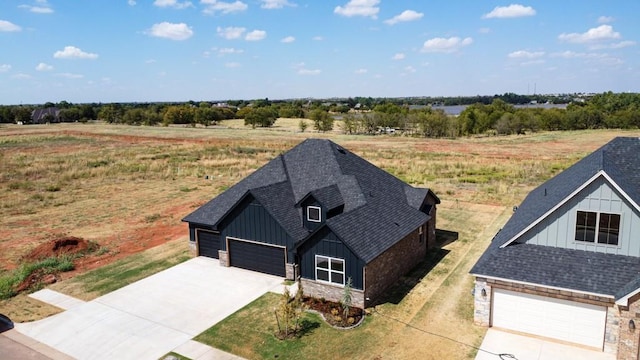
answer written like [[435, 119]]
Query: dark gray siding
[[326, 243], [251, 221], [310, 224]]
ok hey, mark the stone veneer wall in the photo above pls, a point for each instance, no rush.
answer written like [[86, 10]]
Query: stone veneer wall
[[482, 304], [613, 333], [331, 292], [386, 269], [223, 257], [628, 344], [291, 271]]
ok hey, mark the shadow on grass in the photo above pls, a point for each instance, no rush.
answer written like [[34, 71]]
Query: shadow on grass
[[405, 284], [307, 327]]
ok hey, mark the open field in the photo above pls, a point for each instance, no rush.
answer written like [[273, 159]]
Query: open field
[[126, 189]]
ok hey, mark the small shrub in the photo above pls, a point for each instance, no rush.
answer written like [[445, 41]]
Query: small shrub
[[152, 218], [53, 188]]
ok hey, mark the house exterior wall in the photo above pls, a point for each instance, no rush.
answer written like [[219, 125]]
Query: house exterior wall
[[251, 221], [483, 307], [332, 292], [326, 243], [311, 225], [386, 269], [558, 229], [431, 229], [629, 339]]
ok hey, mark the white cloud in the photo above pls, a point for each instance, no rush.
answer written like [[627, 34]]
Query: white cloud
[[533, 62], [484, 30], [214, 6], [511, 11], [231, 32], [38, 9], [150, 61], [309, 72], [367, 8], [173, 4], [44, 67], [409, 69], [605, 19], [4, 68], [602, 32], [318, 38], [232, 65], [302, 70], [288, 39], [618, 45], [361, 71], [72, 52], [70, 75], [131, 2], [523, 54], [256, 35], [225, 51], [398, 56], [167, 30], [21, 76], [275, 4], [8, 26], [443, 45], [407, 15]]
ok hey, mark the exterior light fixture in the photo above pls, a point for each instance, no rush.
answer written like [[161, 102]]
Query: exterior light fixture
[[483, 293], [632, 325]]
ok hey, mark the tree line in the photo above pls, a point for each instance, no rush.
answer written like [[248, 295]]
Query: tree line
[[606, 110]]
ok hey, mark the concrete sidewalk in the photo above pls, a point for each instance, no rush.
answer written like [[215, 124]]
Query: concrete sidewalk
[[529, 348], [153, 316]]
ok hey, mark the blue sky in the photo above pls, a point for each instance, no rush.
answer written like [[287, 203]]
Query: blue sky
[[178, 50]]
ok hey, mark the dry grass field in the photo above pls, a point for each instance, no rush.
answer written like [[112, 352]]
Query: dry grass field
[[125, 189]]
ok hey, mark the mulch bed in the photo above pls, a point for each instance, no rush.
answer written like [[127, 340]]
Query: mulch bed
[[333, 313]]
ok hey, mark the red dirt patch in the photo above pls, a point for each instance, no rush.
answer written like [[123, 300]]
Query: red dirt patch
[[60, 246]]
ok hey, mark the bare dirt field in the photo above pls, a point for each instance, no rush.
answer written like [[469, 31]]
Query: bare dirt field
[[125, 190]]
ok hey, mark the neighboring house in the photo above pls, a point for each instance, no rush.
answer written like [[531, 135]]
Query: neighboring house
[[324, 215], [566, 265], [47, 115]]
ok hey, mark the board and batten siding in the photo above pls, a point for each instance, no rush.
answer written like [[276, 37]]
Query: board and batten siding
[[251, 221], [326, 243], [558, 229]]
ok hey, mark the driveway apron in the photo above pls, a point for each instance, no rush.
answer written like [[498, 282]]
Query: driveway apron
[[153, 316]]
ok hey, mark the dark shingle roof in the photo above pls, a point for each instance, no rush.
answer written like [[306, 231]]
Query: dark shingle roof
[[379, 209], [567, 268]]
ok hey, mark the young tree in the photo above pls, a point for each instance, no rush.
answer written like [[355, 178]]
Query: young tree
[[347, 298], [302, 125]]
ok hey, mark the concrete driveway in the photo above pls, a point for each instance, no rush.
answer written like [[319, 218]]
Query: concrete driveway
[[153, 316], [529, 348]]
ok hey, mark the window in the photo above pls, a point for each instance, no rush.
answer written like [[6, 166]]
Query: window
[[597, 227], [421, 233], [314, 214], [330, 270]]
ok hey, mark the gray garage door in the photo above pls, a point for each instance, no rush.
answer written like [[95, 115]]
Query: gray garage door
[[257, 257], [208, 243]]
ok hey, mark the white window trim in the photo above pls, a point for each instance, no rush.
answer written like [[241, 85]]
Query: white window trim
[[319, 214], [331, 271], [597, 231]]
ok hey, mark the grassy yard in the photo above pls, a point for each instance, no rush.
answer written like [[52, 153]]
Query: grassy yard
[[126, 188]]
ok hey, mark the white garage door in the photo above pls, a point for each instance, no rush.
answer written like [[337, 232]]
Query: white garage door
[[553, 318]]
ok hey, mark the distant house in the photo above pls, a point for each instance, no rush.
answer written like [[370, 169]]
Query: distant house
[[46, 115], [566, 265], [321, 214]]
